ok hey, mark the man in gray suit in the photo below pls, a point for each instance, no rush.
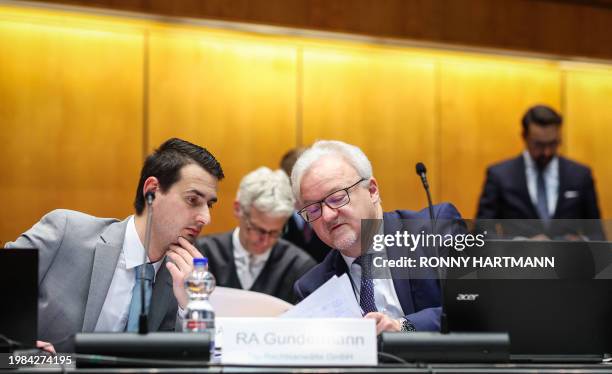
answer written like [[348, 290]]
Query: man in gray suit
[[252, 256], [89, 267]]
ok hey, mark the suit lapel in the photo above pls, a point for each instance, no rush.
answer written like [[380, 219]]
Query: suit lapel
[[230, 277], [106, 255], [520, 176], [401, 284], [334, 264], [338, 265], [162, 294], [264, 274], [563, 183]]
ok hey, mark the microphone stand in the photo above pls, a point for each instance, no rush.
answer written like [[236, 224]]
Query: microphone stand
[[136, 349], [421, 171]]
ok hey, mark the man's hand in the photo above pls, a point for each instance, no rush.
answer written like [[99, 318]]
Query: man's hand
[[540, 237], [182, 256], [47, 347], [573, 238], [384, 322]]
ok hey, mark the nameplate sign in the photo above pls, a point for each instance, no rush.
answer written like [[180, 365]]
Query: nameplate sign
[[297, 341]]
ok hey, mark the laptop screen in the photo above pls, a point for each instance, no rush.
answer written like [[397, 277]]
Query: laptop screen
[[568, 313], [19, 295]]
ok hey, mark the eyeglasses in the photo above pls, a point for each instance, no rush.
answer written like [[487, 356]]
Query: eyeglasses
[[253, 228], [544, 145], [334, 200]]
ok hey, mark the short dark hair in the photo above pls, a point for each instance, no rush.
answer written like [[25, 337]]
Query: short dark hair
[[540, 115], [166, 163], [289, 159]]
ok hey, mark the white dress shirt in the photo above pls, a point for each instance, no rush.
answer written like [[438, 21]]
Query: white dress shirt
[[385, 297], [551, 178], [114, 313], [248, 266]]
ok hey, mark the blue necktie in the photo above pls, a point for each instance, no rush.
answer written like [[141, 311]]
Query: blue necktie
[[366, 294], [542, 199], [132, 324]]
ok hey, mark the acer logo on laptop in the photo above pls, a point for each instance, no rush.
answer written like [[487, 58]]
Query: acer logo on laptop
[[467, 296]]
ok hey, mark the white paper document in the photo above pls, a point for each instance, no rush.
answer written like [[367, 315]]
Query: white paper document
[[230, 302], [334, 299]]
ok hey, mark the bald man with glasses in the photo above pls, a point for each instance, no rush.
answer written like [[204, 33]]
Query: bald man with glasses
[[253, 256], [335, 191]]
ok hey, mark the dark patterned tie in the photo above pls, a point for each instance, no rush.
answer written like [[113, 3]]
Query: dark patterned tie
[[542, 199], [366, 294]]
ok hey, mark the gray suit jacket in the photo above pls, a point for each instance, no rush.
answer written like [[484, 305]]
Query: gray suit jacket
[[78, 254]]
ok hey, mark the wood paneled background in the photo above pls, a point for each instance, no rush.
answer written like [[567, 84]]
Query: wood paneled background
[[84, 97], [560, 27]]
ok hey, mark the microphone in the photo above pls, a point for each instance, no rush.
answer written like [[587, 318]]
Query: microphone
[[422, 172], [143, 327]]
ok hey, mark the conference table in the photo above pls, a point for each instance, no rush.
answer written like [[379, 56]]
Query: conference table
[[384, 368]]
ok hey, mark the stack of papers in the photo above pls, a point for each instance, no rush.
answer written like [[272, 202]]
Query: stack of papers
[[334, 299]]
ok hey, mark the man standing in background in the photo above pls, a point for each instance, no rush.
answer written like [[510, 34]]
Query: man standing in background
[[539, 184]]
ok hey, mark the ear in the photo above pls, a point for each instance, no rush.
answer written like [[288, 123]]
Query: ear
[[525, 131], [237, 209], [373, 190], [151, 184]]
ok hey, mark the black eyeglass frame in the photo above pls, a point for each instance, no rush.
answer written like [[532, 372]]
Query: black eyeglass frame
[[251, 227], [302, 212]]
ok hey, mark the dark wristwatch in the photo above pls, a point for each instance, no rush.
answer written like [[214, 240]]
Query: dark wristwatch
[[406, 325]]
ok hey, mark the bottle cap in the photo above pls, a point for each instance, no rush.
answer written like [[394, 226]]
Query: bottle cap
[[200, 261]]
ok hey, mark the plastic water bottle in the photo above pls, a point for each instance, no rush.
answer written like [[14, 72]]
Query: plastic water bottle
[[200, 316]]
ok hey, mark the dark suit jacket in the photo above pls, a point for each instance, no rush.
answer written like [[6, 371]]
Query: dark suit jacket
[[285, 264], [505, 195], [314, 247], [420, 298]]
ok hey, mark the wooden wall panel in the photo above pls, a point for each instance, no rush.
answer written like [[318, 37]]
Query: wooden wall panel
[[588, 120], [234, 95], [83, 96], [381, 100], [558, 27], [482, 101], [70, 118]]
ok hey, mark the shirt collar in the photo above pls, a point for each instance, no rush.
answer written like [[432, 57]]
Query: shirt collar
[[133, 249], [530, 163], [349, 260], [241, 252]]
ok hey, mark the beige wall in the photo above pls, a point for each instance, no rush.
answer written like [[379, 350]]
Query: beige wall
[[83, 98]]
